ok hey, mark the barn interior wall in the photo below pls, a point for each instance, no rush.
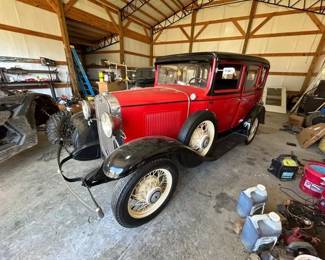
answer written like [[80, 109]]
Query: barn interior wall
[[290, 52], [15, 44]]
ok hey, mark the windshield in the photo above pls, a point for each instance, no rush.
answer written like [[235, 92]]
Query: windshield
[[194, 74]]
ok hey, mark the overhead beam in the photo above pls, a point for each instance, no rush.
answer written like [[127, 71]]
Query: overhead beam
[[313, 63], [131, 7], [67, 50], [315, 6], [249, 26], [193, 21], [69, 4], [122, 53]]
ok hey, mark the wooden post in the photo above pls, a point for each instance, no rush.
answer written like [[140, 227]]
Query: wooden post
[[66, 43], [313, 64], [249, 26], [151, 48], [121, 34], [193, 21]]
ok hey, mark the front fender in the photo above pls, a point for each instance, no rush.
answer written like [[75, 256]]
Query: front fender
[[128, 157]]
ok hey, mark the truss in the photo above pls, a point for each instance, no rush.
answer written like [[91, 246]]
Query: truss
[[132, 7], [107, 41], [315, 6]]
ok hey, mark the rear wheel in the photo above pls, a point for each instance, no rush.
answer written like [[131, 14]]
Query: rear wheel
[[199, 132], [252, 130], [140, 196]]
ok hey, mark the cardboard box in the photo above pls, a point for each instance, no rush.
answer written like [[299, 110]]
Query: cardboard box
[[311, 134], [296, 120], [102, 86]]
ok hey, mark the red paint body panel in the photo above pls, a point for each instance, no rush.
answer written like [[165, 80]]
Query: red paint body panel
[[163, 109]]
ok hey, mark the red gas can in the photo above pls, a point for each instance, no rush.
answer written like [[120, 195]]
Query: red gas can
[[313, 180]]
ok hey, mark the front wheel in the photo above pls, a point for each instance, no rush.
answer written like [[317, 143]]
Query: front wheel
[[252, 130], [140, 196]]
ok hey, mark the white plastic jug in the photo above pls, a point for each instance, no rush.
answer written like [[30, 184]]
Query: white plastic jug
[[261, 232], [251, 200]]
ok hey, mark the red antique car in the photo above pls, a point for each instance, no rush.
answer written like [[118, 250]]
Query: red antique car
[[141, 133]]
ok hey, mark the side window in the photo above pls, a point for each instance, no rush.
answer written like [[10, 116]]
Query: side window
[[262, 77], [251, 77], [227, 77]]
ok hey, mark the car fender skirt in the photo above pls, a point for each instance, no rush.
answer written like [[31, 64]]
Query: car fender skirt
[[128, 157]]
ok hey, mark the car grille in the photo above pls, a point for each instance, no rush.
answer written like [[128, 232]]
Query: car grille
[[106, 144]]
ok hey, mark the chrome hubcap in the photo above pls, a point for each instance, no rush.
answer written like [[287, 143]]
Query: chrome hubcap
[[202, 137], [149, 193], [153, 195]]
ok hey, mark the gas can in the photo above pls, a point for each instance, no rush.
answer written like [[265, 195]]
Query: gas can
[[261, 232], [313, 180], [251, 201]]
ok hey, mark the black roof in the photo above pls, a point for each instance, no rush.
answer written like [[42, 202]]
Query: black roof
[[207, 56]]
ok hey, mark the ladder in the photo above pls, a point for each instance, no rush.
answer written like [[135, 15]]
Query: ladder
[[84, 83]]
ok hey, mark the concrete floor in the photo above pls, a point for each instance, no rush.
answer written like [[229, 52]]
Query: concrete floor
[[40, 219]]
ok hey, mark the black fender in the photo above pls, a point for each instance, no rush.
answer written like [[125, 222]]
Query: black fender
[[129, 157], [85, 139], [183, 134], [258, 112]]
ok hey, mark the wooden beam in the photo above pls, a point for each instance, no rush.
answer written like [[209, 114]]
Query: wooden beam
[[261, 24], [52, 4], [66, 44], [249, 26], [137, 54], [69, 4], [316, 21], [29, 32], [122, 52], [201, 31], [239, 28], [285, 34], [117, 27], [151, 49], [168, 6], [284, 54], [313, 63], [157, 10], [193, 21], [283, 73], [185, 33]]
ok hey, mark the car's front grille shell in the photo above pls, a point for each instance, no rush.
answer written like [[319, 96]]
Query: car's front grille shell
[[102, 106]]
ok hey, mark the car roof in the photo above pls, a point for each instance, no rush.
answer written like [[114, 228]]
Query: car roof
[[207, 56]]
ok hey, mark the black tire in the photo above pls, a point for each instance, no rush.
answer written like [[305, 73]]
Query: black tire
[[248, 139], [124, 188], [59, 128], [191, 124]]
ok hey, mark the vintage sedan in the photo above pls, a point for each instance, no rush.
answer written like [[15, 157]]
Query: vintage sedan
[[140, 134]]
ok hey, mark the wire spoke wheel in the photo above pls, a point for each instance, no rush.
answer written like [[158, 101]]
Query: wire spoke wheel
[[150, 193], [252, 130], [202, 137]]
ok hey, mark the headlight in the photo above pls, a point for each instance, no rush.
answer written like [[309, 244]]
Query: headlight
[[86, 110], [107, 124]]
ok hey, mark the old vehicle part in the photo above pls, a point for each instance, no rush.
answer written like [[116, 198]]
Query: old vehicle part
[[142, 195], [20, 116], [297, 248], [252, 127], [315, 118], [199, 132], [60, 128]]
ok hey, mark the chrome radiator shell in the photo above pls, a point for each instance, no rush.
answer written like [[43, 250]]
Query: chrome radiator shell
[[106, 103]]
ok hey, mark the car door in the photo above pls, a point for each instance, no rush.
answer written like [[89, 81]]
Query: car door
[[249, 92], [225, 93]]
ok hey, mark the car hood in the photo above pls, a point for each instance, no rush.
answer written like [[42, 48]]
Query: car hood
[[149, 96]]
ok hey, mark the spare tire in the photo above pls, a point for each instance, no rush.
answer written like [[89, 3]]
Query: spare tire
[[60, 128]]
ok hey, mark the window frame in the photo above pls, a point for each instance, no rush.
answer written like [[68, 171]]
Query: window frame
[[258, 75], [240, 80]]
